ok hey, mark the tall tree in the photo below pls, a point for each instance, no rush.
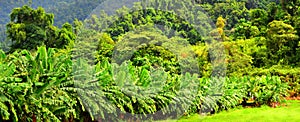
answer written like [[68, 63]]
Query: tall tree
[[29, 28], [231, 10], [281, 38]]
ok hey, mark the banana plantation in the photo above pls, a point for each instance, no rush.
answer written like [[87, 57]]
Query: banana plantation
[[151, 61]]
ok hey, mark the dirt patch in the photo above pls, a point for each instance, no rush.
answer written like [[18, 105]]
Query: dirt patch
[[293, 98]]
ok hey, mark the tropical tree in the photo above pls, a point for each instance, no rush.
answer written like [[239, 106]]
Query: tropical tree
[[231, 10], [259, 17], [29, 28], [244, 30], [281, 39]]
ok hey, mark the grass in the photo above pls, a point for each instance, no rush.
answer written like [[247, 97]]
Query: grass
[[289, 113]]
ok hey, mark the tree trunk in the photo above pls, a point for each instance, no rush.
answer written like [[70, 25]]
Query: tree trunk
[[33, 118]]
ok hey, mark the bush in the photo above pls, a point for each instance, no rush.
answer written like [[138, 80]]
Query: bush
[[266, 89], [286, 74], [235, 91]]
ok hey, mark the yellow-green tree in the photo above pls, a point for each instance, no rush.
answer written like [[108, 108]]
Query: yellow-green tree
[[220, 27], [281, 39]]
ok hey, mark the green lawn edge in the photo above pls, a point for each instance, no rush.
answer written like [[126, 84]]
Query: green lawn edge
[[288, 113]]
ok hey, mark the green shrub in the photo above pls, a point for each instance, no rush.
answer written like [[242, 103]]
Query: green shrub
[[267, 89], [286, 74], [235, 91]]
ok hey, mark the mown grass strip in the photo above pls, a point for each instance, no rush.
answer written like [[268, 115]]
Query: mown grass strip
[[288, 113]]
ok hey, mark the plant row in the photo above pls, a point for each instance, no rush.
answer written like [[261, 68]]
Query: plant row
[[49, 85]]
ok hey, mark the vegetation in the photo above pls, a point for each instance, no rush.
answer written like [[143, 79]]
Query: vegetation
[[263, 114], [31, 28], [149, 62]]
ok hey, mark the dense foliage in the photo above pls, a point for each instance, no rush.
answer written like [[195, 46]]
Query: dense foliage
[[36, 86], [147, 63], [31, 28]]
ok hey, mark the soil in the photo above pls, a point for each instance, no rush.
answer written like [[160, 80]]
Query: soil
[[293, 98]]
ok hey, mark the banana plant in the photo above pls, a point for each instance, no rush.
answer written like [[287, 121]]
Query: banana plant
[[234, 92], [37, 92], [93, 85], [7, 79], [139, 92]]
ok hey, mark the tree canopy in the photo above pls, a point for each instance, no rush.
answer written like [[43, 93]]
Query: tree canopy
[[29, 28]]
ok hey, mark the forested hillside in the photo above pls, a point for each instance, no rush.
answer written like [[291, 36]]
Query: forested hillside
[[69, 10], [70, 60], [64, 10]]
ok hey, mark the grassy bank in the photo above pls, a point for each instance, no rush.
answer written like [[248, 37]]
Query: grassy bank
[[288, 113]]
